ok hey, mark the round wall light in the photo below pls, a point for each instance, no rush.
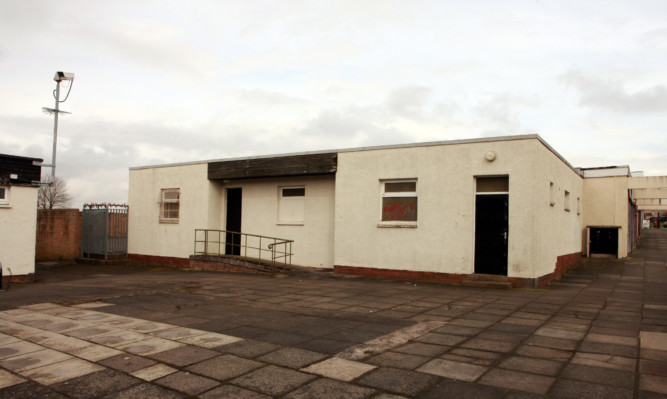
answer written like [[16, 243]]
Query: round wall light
[[490, 156]]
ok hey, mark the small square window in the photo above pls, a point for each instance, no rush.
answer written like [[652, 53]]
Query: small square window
[[170, 205], [291, 205], [4, 195], [399, 201]]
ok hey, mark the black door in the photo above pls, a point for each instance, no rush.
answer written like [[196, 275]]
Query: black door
[[233, 241], [604, 240], [491, 230]]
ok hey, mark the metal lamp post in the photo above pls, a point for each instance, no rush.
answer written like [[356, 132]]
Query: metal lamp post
[[59, 77]]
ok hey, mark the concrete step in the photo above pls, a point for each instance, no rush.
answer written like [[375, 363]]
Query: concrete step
[[502, 285]]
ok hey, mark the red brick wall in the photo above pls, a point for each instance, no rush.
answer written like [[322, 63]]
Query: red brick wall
[[563, 263], [58, 234], [166, 261]]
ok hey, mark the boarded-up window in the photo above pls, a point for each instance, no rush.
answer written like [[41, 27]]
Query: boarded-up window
[[399, 201], [170, 205], [494, 184], [291, 204]]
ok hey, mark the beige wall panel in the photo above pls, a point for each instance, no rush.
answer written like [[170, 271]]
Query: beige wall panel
[[146, 235], [313, 239], [606, 204], [443, 240], [18, 226]]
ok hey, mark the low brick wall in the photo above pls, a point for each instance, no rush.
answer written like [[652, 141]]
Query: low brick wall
[[58, 234], [563, 263], [166, 261]]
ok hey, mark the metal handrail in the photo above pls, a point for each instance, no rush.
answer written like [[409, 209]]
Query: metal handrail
[[219, 242]]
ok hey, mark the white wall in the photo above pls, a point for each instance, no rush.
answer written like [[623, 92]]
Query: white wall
[[313, 239], [443, 240], [199, 209], [556, 230], [18, 229], [203, 206]]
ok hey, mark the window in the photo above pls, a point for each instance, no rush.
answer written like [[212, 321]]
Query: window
[[578, 206], [4, 196], [169, 205], [399, 201], [552, 193], [566, 201], [291, 202]]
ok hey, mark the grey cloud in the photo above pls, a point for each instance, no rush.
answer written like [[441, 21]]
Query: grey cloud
[[498, 117], [350, 127], [408, 101], [611, 95]]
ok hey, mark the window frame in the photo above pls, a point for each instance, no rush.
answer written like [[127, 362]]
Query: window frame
[[4, 199], [398, 194], [284, 199], [164, 201]]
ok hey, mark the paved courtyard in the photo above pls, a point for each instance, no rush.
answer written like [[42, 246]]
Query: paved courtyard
[[85, 331]]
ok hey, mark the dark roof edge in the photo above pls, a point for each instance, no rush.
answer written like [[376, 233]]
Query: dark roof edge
[[21, 157]]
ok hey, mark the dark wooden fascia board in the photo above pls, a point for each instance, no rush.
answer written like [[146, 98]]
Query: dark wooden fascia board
[[27, 170], [283, 166]]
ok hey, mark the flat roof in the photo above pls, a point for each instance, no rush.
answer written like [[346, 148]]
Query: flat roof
[[379, 147]]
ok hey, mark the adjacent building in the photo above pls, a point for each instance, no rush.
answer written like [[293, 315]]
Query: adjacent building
[[19, 183]]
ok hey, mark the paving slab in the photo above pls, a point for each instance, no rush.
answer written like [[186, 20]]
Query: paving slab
[[8, 379], [452, 369], [448, 388], [153, 372], [653, 383], [273, 380], [62, 371], [150, 346], [210, 340], [339, 369], [225, 367], [184, 355], [33, 360], [231, 391], [92, 305], [509, 379], [17, 348], [402, 382], [292, 357], [330, 389], [607, 361], [611, 339], [30, 389], [127, 362], [653, 340], [187, 383], [248, 348], [531, 365], [145, 391], [95, 353], [398, 360], [95, 384], [60, 342], [569, 389], [176, 333]]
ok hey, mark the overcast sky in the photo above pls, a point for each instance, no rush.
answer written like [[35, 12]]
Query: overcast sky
[[174, 81]]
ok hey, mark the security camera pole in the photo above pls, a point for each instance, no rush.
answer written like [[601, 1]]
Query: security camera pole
[[60, 76]]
